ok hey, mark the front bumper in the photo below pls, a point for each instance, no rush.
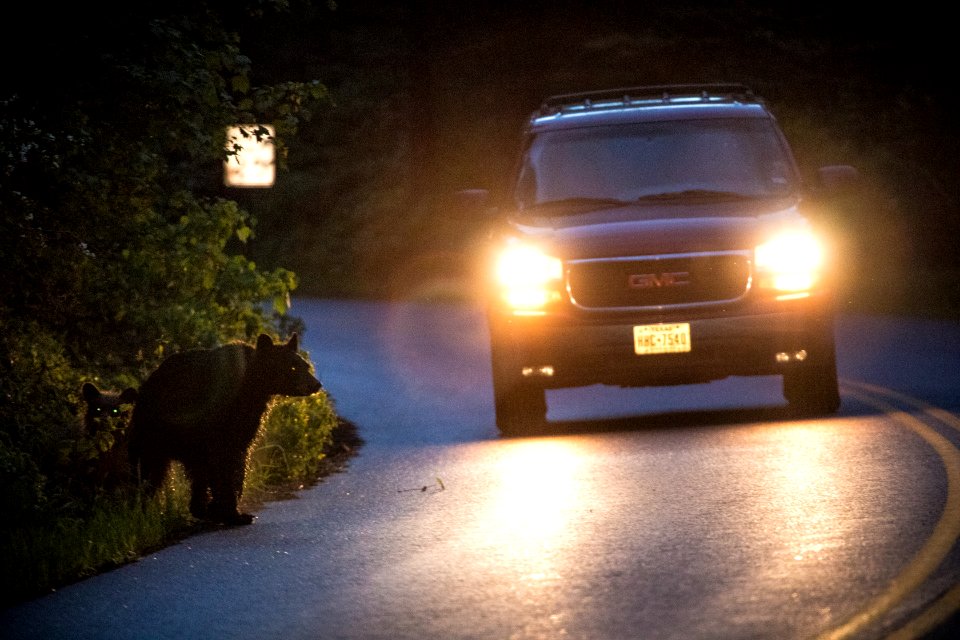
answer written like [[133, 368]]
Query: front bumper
[[566, 352]]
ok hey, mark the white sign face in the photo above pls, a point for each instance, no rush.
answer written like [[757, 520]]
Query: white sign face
[[253, 165]]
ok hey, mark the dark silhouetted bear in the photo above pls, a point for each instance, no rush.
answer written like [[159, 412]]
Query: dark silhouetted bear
[[105, 422], [203, 408], [104, 407]]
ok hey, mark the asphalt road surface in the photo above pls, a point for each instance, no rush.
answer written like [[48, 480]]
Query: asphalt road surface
[[689, 512]]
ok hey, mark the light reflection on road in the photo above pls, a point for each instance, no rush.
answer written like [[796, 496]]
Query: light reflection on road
[[803, 489], [771, 519], [803, 520], [537, 496], [527, 534]]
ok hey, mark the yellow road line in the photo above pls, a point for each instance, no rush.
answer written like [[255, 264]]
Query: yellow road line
[[947, 604], [934, 615], [944, 535], [940, 414]]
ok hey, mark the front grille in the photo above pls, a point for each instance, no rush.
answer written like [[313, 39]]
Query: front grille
[[659, 281]]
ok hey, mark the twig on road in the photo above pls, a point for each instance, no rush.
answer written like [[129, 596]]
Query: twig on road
[[438, 486]]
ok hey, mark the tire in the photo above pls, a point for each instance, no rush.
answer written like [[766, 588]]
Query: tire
[[520, 407], [812, 389]]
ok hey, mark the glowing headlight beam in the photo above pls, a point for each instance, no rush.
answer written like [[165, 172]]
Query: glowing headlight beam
[[524, 265], [789, 262], [528, 277]]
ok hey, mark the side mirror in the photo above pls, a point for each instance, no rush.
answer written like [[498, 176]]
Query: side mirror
[[838, 179]]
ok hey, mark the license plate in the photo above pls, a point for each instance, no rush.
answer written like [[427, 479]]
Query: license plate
[[661, 338]]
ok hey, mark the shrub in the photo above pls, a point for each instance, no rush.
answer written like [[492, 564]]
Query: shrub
[[293, 441]]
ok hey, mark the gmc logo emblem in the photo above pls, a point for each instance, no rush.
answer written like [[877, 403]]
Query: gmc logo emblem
[[655, 281]]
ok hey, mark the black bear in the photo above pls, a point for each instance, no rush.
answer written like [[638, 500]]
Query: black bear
[[103, 407], [105, 422], [203, 408]]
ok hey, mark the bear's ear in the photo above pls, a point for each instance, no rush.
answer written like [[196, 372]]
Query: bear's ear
[[264, 342], [128, 396], [90, 391], [294, 343]]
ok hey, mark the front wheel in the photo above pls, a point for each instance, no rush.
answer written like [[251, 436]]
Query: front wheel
[[521, 407], [813, 389]]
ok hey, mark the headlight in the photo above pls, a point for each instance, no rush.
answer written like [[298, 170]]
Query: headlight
[[790, 262], [528, 278]]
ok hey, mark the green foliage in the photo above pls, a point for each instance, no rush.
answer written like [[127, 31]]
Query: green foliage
[[293, 440], [114, 233], [119, 245], [37, 387]]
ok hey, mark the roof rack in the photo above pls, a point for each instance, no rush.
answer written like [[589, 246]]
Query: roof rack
[[630, 96]]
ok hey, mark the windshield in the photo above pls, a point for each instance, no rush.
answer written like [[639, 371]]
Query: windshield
[[618, 164]]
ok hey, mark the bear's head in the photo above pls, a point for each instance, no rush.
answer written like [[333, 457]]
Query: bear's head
[[281, 370], [106, 409]]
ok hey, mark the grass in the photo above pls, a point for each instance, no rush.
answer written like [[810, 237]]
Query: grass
[[114, 530]]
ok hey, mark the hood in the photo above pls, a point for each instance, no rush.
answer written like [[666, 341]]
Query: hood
[[658, 229]]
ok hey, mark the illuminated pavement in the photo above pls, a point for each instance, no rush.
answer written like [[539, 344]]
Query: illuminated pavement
[[698, 512]]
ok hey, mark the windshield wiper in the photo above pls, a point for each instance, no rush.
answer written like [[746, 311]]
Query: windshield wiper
[[694, 194], [580, 202]]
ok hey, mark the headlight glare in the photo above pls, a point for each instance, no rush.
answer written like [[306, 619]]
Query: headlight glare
[[528, 278], [790, 262]]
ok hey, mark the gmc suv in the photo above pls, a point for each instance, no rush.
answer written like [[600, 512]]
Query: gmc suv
[[657, 236]]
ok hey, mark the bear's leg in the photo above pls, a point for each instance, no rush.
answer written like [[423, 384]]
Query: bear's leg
[[151, 471], [199, 488], [149, 461], [226, 484]]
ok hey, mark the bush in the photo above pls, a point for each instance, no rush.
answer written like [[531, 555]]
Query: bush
[[294, 439]]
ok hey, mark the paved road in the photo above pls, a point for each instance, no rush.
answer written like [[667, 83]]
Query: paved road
[[698, 512]]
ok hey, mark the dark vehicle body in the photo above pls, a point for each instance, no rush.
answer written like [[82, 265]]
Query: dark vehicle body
[[657, 236]]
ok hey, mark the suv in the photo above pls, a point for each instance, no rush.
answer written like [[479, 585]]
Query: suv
[[656, 236]]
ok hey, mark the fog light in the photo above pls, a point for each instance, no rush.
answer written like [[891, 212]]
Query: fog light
[[797, 356], [544, 371]]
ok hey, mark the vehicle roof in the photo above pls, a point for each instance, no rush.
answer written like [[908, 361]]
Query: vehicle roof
[[646, 104]]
